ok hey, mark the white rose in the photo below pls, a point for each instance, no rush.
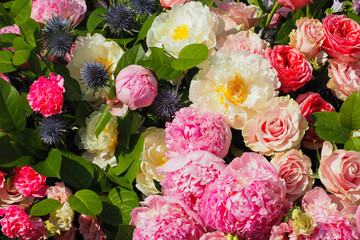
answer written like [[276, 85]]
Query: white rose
[[62, 218]]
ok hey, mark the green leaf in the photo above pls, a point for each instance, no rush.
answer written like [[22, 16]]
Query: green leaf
[[82, 112], [125, 232], [353, 16], [353, 144], [86, 202], [25, 103], [20, 162], [110, 213], [31, 138], [12, 117], [132, 56], [283, 34], [7, 39], [45, 207], [208, 3], [104, 119], [122, 42], [72, 87], [350, 112], [76, 171], [22, 51], [95, 19], [328, 127], [51, 166], [126, 200], [120, 181], [160, 63], [12, 151], [21, 10], [145, 28], [190, 56], [31, 32], [5, 61]]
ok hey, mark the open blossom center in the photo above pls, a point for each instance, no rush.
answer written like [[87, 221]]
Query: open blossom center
[[180, 32], [105, 62], [233, 92]]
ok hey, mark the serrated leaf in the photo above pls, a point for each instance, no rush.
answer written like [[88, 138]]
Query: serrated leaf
[[125, 232], [283, 34], [7, 39], [95, 19], [31, 32], [350, 112], [45, 207], [6, 61], [353, 144], [12, 151], [190, 56], [51, 166], [132, 56], [328, 127], [21, 10], [86, 202], [12, 117], [126, 200], [110, 213], [145, 28], [25, 103], [104, 119], [22, 51]]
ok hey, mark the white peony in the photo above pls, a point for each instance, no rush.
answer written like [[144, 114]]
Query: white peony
[[101, 149], [235, 84], [62, 218], [91, 49], [152, 157], [183, 25]]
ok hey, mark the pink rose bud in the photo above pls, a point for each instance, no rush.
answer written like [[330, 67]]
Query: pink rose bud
[[168, 4], [294, 4], [136, 86]]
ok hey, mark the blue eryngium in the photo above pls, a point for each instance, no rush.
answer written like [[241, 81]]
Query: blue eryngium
[[167, 103], [144, 7], [53, 129], [119, 17], [95, 75], [356, 6], [58, 37]]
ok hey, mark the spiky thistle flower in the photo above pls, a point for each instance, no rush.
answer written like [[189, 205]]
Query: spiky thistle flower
[[95, 75], [58, 36], [167, 103], [144, 7], [119, 17], [53, 129]]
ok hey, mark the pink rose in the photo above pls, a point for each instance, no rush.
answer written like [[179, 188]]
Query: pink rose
[[340, 172], [295, 169], [308, 37], [358, 218], [213, 236], [292, 67], [342, 37], [246, 200], [294, 4], [168, 4], [29, 183], [246, 40], [344, 78], [90, 228], [280, 232], [187, 177], [2, 179], [43, 10], [164, 217], [59, 192], [136, 86], [279, 126]]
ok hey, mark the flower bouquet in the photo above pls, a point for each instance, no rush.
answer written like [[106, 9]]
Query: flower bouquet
[[179, 119]]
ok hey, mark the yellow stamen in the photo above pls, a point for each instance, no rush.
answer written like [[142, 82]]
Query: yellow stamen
[[233, 92], [180, 32], [107, 63]]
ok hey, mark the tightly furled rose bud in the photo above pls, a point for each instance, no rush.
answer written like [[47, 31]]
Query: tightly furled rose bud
[[136, 86], [294, 4]]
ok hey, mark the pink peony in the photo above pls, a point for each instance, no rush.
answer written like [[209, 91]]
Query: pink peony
[[168, 4], [193, 130], [165, 218], [29, 183], [279, 232], [213, 236], [358, 219], [295, 169], [2, 179], [59, 192], [90, 228], [136, 86], [10, 29], [247, 199], [46, 95], [247, 40], [17, 224], [187, 177], [294, 4], [43, 10]]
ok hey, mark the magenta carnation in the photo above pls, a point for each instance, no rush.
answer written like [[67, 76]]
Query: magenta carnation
[[193, 130], [187, 177], [247, 199], [46, 95], [43, 10], [17, 224], [165, 218], [29, 183]]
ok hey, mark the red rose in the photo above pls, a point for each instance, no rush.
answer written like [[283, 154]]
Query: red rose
[[342, 37], [292, 67]]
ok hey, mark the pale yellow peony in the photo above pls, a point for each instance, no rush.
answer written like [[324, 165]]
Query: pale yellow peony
[[61, 219]]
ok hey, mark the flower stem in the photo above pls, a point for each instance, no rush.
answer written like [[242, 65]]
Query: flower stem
[[268, 20]]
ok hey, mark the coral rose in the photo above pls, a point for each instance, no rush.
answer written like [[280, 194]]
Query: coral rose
[[246, 200], [193, 130], [168, 4], [29, 183], [295, 169], [294, 4], [136, 86], [247, 40], [308, 37], [340, 172], [59, 192], [344, 78], [278, 127], [292, 67], [165, 218], [342, 37]]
